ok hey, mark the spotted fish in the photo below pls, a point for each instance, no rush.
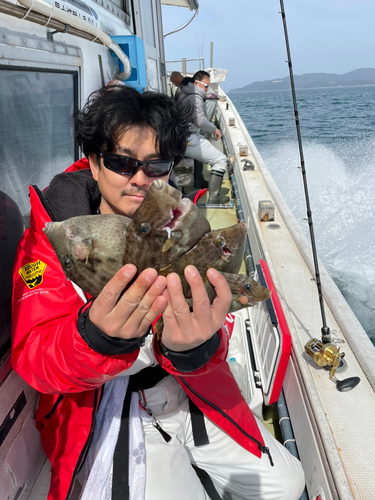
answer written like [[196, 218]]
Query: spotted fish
[[90, 248], [163, 228], [222, 249], [246, 292]]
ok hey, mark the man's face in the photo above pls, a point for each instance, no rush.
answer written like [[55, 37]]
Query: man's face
[[203, 83], [122, 194]]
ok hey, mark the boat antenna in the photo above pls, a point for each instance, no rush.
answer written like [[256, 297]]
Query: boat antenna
[[326, 335]]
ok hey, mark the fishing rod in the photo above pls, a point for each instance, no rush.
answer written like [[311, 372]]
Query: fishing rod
[[326, 334]]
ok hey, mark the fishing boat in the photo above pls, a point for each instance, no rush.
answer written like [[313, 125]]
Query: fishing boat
[[302, 360]]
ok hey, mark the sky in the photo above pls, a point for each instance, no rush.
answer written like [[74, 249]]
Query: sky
[[325, 36]]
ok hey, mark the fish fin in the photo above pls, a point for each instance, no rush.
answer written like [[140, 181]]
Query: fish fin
[[166, 267], [82, 250], [168, 244], [88, 243]]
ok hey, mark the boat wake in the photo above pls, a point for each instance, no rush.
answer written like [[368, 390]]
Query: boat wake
[[341, 184]]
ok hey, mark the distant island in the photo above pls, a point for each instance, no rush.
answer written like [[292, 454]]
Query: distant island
[[358, 77]]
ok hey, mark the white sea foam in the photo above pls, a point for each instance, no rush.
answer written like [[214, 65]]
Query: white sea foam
[[341, 190]]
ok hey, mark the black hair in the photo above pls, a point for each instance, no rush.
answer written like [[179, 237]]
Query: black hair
[[199, 75], [112, 110]]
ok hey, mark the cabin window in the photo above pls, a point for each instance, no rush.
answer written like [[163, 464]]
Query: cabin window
[[149, 22], [37, 141], [125, 6]]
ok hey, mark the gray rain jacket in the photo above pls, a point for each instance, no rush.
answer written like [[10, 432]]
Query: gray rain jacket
[[195, 96]]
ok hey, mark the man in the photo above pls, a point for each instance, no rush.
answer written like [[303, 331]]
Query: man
[[194, 95], [179, 80], [91, 359]]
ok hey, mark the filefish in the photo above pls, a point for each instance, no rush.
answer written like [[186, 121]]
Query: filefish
[[90, 248], [163, 228], [222, 249], [246, 292]]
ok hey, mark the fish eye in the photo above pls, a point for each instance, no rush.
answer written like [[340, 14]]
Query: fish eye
[[248, 287], [145, 228], [68, 264], [220, 241]]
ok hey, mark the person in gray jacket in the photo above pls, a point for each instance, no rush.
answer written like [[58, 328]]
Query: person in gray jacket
[[199, 148]]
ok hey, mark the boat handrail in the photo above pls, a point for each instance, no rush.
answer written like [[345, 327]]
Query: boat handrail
[[53, 14]]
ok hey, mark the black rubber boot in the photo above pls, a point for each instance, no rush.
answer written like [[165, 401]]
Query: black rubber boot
[[199, 181], [214, 187]]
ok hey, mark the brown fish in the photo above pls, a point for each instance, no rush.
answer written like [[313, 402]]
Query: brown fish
[[90, 248], [163, 228], [246, 292], [222, 249]]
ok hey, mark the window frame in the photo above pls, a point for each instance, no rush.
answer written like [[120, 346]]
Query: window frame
[[5, 349]]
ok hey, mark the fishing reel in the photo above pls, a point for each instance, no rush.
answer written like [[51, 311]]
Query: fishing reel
[[329, 356]]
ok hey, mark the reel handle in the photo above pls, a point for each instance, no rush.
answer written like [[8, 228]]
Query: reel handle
[[347, 384]]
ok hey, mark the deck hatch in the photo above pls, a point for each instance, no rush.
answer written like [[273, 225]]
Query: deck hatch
[[270, 338]]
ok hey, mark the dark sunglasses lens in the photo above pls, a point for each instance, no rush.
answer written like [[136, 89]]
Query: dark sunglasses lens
[[120, 164], [129, 166], [158, 168]]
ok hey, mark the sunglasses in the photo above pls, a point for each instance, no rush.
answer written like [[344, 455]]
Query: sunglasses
[[205, 85], [126, 165]]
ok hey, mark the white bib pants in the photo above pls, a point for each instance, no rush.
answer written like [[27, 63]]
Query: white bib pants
[[236, 473]]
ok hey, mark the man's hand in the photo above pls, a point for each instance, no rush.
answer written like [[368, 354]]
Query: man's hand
[[184, 330], [131, 315], [217, 134]]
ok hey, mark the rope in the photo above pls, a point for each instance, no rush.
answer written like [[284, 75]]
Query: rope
[[47, 23], [183, 27], [28, 12]]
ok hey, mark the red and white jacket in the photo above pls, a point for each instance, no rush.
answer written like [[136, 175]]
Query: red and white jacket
[[50, 354]]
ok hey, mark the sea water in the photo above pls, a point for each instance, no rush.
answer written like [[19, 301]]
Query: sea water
[[338, 139]]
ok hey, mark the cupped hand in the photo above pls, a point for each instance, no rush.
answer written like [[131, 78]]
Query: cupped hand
[[183, 329], [130, 315], [217, 134]]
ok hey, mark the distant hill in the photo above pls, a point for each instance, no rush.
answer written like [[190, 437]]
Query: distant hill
[[358, 77]]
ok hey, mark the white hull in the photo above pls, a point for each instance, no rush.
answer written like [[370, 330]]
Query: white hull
[[333, 430]]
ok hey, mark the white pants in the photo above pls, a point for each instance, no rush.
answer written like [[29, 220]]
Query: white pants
[[236, 473], [202, 150]]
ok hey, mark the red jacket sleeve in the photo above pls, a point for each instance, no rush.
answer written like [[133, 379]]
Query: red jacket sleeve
[[47, 349]]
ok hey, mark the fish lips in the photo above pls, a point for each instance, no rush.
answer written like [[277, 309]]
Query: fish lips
[[247, 301], [178, 217]]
